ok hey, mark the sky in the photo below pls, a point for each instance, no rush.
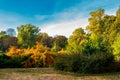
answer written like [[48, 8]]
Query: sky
[[55, 17]]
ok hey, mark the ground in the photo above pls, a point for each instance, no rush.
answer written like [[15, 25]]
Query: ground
[[51, 74]]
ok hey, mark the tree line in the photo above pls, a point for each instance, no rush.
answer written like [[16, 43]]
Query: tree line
[[96, 50], [27, 36]]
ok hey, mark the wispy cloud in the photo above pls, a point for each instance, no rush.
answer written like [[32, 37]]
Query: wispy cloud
[[64, 28], [66, 22], [59, 23]]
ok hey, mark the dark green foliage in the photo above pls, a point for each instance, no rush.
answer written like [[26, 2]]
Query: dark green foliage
[[62, 62], [45, 39], [8, 62], [6, 41], [95, 63], [61, 41], [98, 63]]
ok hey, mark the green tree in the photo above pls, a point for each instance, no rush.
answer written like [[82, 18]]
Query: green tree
[[7, 41], [76, 41], [94, 44], [27, 35], [45, 39], [60, 41], [108, 33], [94, 21], [101, 32], [103, 27], [116, 33], [116, 47]]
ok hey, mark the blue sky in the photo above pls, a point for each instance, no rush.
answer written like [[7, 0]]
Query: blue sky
[[56, 17]]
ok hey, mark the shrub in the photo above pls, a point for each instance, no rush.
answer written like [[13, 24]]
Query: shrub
[[98, 63], [78, 62], [62, 62], [95, 63], [38, 56], [9, 62], [41, 57], [3, 60]]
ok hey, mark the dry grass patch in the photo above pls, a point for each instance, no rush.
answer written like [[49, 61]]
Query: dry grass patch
[[50, 74]]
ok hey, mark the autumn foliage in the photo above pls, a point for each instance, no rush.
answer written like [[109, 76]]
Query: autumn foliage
[[14, 52], [40, 56]]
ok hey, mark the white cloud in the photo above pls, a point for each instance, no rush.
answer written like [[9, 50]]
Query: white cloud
[[64, 28], [68, 22], [65, 22], [62, 23]]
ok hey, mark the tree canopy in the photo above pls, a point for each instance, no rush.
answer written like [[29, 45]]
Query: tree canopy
[[27, 35]]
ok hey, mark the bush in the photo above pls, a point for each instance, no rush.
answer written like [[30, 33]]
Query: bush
[[98, 63], [95, 63], [38, 56], [78, 62], [62, 62], [9, 62], [3, 60]]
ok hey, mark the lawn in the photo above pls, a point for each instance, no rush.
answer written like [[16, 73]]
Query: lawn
[[51, 74]]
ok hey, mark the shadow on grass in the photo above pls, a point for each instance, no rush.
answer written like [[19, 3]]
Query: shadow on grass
[[82, 74]]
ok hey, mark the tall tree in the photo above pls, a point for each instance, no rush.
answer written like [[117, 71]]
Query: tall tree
[[7, 41], [103, 26], [27, 35], [45, 39], [60, 41], [116, 47], [116, 37], [76, 40], [94, 21]]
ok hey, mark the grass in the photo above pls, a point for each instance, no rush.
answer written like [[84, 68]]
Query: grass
[[51, 74]]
